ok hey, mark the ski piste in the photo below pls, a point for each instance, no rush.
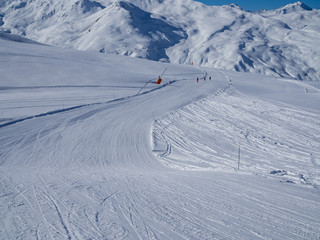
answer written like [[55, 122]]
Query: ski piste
[[161, 164]]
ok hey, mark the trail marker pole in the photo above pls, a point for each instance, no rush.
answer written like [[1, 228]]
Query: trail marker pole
[[163, 72], [239, 156]]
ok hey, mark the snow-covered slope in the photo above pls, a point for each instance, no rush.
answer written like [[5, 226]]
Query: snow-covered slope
[[291, 8], [90, 149], [280, 42]]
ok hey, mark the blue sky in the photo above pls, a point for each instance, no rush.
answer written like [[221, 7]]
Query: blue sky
[[254, 5]]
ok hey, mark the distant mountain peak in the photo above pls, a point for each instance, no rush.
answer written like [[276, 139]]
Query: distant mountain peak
[[233, 5], [294, 7], [303, 5]]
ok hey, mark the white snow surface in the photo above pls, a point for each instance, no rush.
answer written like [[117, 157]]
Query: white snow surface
[[91, 148], [281, 43]]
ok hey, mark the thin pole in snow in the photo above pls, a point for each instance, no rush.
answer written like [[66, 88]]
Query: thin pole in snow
[[163, 72], [239, 156]]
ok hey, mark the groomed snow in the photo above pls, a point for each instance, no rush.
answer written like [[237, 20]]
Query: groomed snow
[[89, 150]]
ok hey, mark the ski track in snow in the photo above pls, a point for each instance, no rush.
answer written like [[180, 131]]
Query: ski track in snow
[[160, 165], [273, 136]]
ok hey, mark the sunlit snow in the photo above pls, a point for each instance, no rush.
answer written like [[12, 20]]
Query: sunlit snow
[[92, 148]]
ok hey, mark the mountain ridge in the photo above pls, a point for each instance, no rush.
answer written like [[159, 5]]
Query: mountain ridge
[[279, 42]]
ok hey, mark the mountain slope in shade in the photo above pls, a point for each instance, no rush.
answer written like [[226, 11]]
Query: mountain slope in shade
[[280, 42]]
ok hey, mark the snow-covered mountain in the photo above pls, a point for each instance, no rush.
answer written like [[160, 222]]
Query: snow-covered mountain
[[282, 42]]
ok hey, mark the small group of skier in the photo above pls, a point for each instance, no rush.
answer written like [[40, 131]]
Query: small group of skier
[[204, 78]]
